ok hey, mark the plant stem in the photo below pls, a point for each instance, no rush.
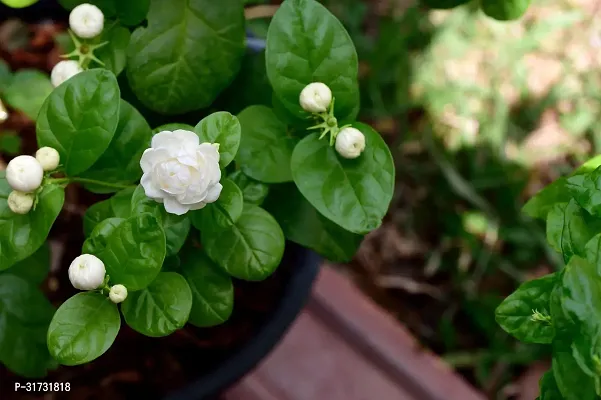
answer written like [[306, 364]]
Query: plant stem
[[59, 181]]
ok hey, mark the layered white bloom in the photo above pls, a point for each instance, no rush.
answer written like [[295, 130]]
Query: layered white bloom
[[48, 158], [24, 174], [86, 20], [64, 70], [19, 202], [316, 97], [181, 172], [118, 293], [87, 272], [350, 142], [3, 112]]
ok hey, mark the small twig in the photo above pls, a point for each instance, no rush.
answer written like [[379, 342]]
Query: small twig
[[261, 11], [409, 285]]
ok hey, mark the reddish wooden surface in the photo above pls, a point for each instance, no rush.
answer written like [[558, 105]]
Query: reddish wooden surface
[[344, 347]]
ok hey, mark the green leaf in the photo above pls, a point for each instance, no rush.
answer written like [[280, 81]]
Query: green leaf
[[251, 249], [581, 303], [221, 214], [266, 147], [6, 76], [569, 228], [10, 142], [504, 10], [515, 314], [223, 128], [83, 328], [24, 317], [548, 388], [202, 44], [172, 127], [161, 308], [114, 53], [134, 252], [557, 192], [586, 190], [120, 163], [253, 191], [571, 381], [34, 269], [306, 43], [129, 12], [27, 91], [117, 206], [98, 240], [176, 227], [354, 194], [79, 119], [444, 4], [212, 290], [22, 235], [302, 224]]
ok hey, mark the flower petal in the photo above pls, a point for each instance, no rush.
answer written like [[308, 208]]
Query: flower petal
[[209, 151], [214, 193], [162, 139], [150, 189], [151, 157], [197, 206], [173, 206], [186, 138]]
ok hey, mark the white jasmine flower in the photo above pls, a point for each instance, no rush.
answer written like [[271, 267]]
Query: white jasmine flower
[[181, 172], [118, 293], [350, 142], [64, 70], [87, 272], [86, 21], [48, 158], [24, 174], [19, 202], [316, 97]]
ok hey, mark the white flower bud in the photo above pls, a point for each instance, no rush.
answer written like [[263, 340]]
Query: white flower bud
[[87, 272], [19, 202], [64, 70], [118, 293], [86, 20], [48, 158], [316, 97], [24, 174], [350, 142]]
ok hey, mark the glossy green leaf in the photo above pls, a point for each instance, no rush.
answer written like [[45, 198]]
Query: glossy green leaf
[[586, 190], [10, 142], [22, 235], [548, 388], [212, 289], [504, 10], [302, 224], [161, 308], [120, 163], [6, 76], [83, 328], [251, 249], [581, 303], [569, 228], [516, 314], [114, 53], [202, 44], [354, 194], [571, 381], [557, 192], [443, 4], [172, 127], [79, 119], [117, 206], [306, 43], [34, 269], [24, 317], [27, 91], [134, 251], [253, 191], [221, 214], [266, 147], [223, 128], [176, 227], [128, 12], [99, 237]]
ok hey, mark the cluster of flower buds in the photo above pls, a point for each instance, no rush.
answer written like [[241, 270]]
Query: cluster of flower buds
[[316, 98], [25, 174], [87, 272]]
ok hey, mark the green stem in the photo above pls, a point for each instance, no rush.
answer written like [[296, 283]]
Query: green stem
[[59, 181]]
